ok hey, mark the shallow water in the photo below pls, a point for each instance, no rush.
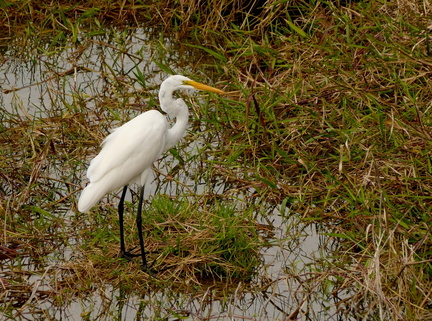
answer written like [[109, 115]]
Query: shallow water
[[287, 285], [275, 300]]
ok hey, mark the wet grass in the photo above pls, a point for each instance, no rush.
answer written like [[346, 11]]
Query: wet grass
[[327, 118], [336, 121], [185, 240]]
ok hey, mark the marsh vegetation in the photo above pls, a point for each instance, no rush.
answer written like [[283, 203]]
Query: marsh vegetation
[[304, 193]]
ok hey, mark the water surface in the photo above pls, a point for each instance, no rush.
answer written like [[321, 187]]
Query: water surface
[[94, 77]]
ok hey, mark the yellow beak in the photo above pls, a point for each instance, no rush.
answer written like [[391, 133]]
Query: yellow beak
[[199, 86]]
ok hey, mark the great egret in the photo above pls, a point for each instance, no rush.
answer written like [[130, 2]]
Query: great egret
[[128, 153]]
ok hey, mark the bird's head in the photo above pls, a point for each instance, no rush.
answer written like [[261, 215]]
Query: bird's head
[[177, 82]]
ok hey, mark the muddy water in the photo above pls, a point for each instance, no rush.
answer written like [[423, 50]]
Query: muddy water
[[45, 86]]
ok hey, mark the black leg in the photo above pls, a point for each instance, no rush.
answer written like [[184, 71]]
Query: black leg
[[123, 253], [120, 212], [140, 232]]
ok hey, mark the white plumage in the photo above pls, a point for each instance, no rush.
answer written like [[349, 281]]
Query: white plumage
[[128, 153], [126, 157]]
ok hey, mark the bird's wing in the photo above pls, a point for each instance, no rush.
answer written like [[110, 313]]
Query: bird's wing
[[130, 149]]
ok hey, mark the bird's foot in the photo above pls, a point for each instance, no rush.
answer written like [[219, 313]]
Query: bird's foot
[[145, 268], [148, 269], [128, 255]]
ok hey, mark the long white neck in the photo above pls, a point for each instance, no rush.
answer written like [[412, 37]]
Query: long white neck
[[177, 109]]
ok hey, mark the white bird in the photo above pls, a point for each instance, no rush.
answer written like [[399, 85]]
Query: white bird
[[128, 153]]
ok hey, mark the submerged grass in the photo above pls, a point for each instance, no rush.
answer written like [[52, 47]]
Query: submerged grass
[[328, 116]]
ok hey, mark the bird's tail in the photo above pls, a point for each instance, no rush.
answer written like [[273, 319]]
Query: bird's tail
[[89, 197]]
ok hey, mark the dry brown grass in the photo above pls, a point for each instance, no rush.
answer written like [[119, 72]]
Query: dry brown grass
[[328, 114]]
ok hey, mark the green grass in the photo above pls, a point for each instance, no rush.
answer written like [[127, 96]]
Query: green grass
[[185, 238], [339, 124], [327, 116]]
